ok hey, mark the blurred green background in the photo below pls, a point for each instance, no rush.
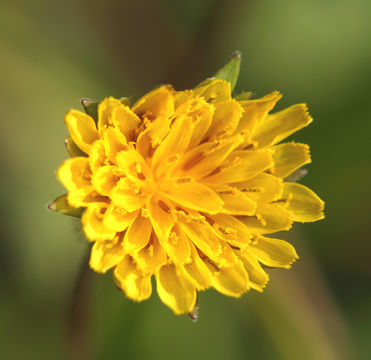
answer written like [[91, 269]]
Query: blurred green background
[[54, 53]]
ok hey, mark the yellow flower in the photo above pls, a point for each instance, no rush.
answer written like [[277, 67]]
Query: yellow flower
[[186, 186]]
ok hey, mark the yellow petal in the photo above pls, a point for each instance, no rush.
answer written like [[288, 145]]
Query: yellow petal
[[273, 252], [270, 218], [205, 238], [262, 188], [84, 197], [82, 129], [126, 121], [177, 247], [288, 157], [105, 110], [118, 219], [201, 115], [235, 201], [156, 103], [176, 141], [204, 159], [280, 125], [151, 257], [258, 278], [106, 178], [241, 166], [126, 195], [182, 97], [304, 204], [232, 230], [133, 165], [92, 223], [161, 218], [175, 290], [114, 142], [213, 90], [197, 271], [135, 286], [230, 281], [152, 136], [195, 196], [255, 111], [75, 173], [138, 234], [225, 120], [103, 257], [97, 156]]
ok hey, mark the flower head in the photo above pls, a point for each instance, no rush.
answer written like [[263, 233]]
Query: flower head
[[185, 186]]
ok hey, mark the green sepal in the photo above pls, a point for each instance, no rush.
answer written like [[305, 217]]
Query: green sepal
[[230, 70], [72, 148], [60, 205], [91, 108]]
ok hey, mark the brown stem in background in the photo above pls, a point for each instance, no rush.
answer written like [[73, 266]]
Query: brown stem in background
[[78, 332]]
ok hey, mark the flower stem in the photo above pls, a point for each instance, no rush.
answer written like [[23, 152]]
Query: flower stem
[[78, 325]]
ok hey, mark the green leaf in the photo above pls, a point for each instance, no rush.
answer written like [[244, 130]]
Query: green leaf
[[61, 206], [230, 70], [91, 108], [72, 148]]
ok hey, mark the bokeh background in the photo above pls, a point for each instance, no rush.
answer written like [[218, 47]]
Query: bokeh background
[[52, 53]]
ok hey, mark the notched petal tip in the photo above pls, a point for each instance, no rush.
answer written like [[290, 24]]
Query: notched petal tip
[[175, 290], [92, 223], [288, 157], [104, 256], [278, 126], [273, 253], [303, 204], [233, 281], [135, 286]]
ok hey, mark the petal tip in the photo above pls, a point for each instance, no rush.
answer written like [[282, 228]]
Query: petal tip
[[307, 117]]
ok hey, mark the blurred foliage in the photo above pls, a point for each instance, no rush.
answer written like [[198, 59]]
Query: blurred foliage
[[54, 53]]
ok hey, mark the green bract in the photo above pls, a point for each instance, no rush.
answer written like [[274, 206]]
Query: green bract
[[230, 70]]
